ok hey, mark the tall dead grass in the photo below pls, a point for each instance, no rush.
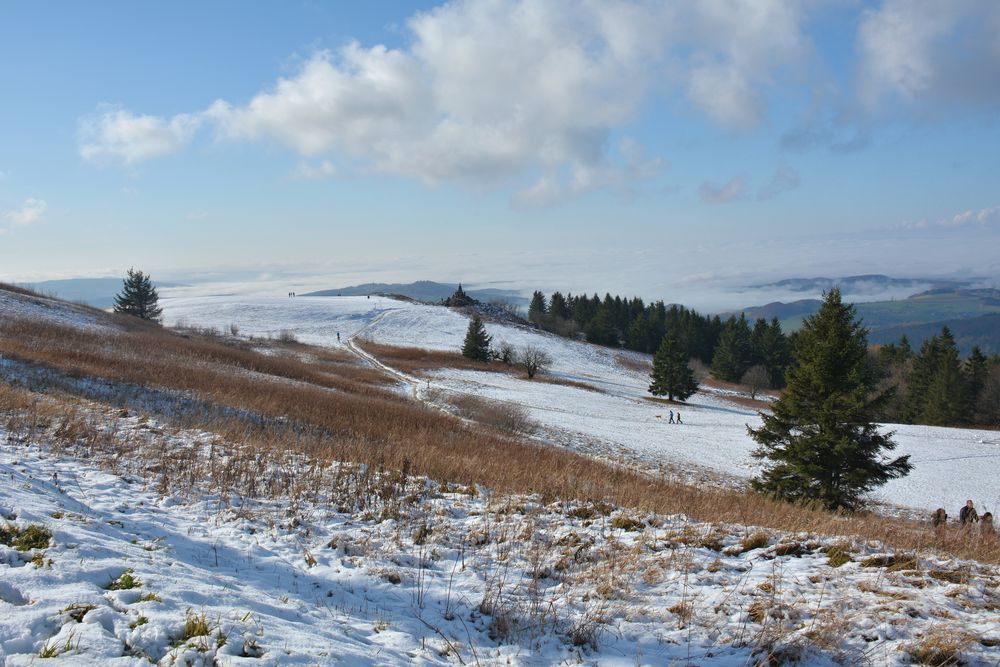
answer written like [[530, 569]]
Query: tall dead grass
[[328, 413]]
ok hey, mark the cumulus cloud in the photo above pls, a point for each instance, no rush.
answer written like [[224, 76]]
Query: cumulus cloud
[[32, 211], [783, 180], [735, 188], [487, 93], [930, 54], [118, 134]]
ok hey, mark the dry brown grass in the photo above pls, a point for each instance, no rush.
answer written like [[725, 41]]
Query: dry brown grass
[[328, 413], [415, 360], [631, 363]]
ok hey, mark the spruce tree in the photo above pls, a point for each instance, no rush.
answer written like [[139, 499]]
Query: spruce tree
[[477, 341], [820, 442], [537, 308], [138, 297], [976, 369], [733, 354], [671, 376]]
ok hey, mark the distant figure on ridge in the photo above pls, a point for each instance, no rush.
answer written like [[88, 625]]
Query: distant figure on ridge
[[968, 515], [338, 336]]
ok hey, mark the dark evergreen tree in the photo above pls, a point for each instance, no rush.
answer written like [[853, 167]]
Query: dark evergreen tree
[[138, 297], [821, 443], [537, 308], [671, 375], [976, 369], [557, 307], [477, 341], [733, 354], [600, 331], [937, 392]]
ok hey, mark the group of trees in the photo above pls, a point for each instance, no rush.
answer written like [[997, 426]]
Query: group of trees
[[478, 347], [936, 386], [731, 347]]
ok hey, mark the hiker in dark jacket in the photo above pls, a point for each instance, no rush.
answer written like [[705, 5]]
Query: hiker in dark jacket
[[968, 515]]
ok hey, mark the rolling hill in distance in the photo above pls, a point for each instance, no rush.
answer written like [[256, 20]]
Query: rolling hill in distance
[[972, 314]]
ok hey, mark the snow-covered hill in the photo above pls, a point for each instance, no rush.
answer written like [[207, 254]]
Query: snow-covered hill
[[950, 465]]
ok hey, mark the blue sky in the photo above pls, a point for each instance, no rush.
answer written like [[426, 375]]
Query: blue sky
[[648, 148]]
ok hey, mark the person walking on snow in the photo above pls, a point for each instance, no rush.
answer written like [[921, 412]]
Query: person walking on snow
[[679, 417], [968, 515], [338, 336], [671, 420]]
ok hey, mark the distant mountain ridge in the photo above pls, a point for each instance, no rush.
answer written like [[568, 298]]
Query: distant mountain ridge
[[973, 315], [424, 290], [868, 283], [95, 292]]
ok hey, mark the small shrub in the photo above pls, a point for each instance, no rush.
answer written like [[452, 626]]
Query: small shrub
[[195, 625], [142, 620], [951, 576], [126, 582], [757, 611], [682, 610], [32, 537], [939, 647], [838, 556], [755, 541], [788, 549], [622, 522], [150, 597]]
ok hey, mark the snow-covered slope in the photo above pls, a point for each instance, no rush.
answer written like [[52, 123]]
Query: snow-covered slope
[[950, 465], [133, 576]]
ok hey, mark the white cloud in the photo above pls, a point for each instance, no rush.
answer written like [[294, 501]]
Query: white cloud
[[32, 211], [783, 180], [486, 93], [735, 188], [118, 134], [930, 54], [983, 217]]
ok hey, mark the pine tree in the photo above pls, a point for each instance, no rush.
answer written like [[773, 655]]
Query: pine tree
[[821, 443], [937, 387], [477, 341], [976, 369], [671, 376], [138, 297], [732, 355], [537, 308], [557, 307]]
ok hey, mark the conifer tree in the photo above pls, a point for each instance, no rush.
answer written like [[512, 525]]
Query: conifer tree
[[537, 307], [138, 297], [557, 307], [820, 442], [732, 355], [937, 387], [671, 375], [976, 369], [477, 341]]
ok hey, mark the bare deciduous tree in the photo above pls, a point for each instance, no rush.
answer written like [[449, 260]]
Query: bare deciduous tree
[[533, 359], [756, 378]]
